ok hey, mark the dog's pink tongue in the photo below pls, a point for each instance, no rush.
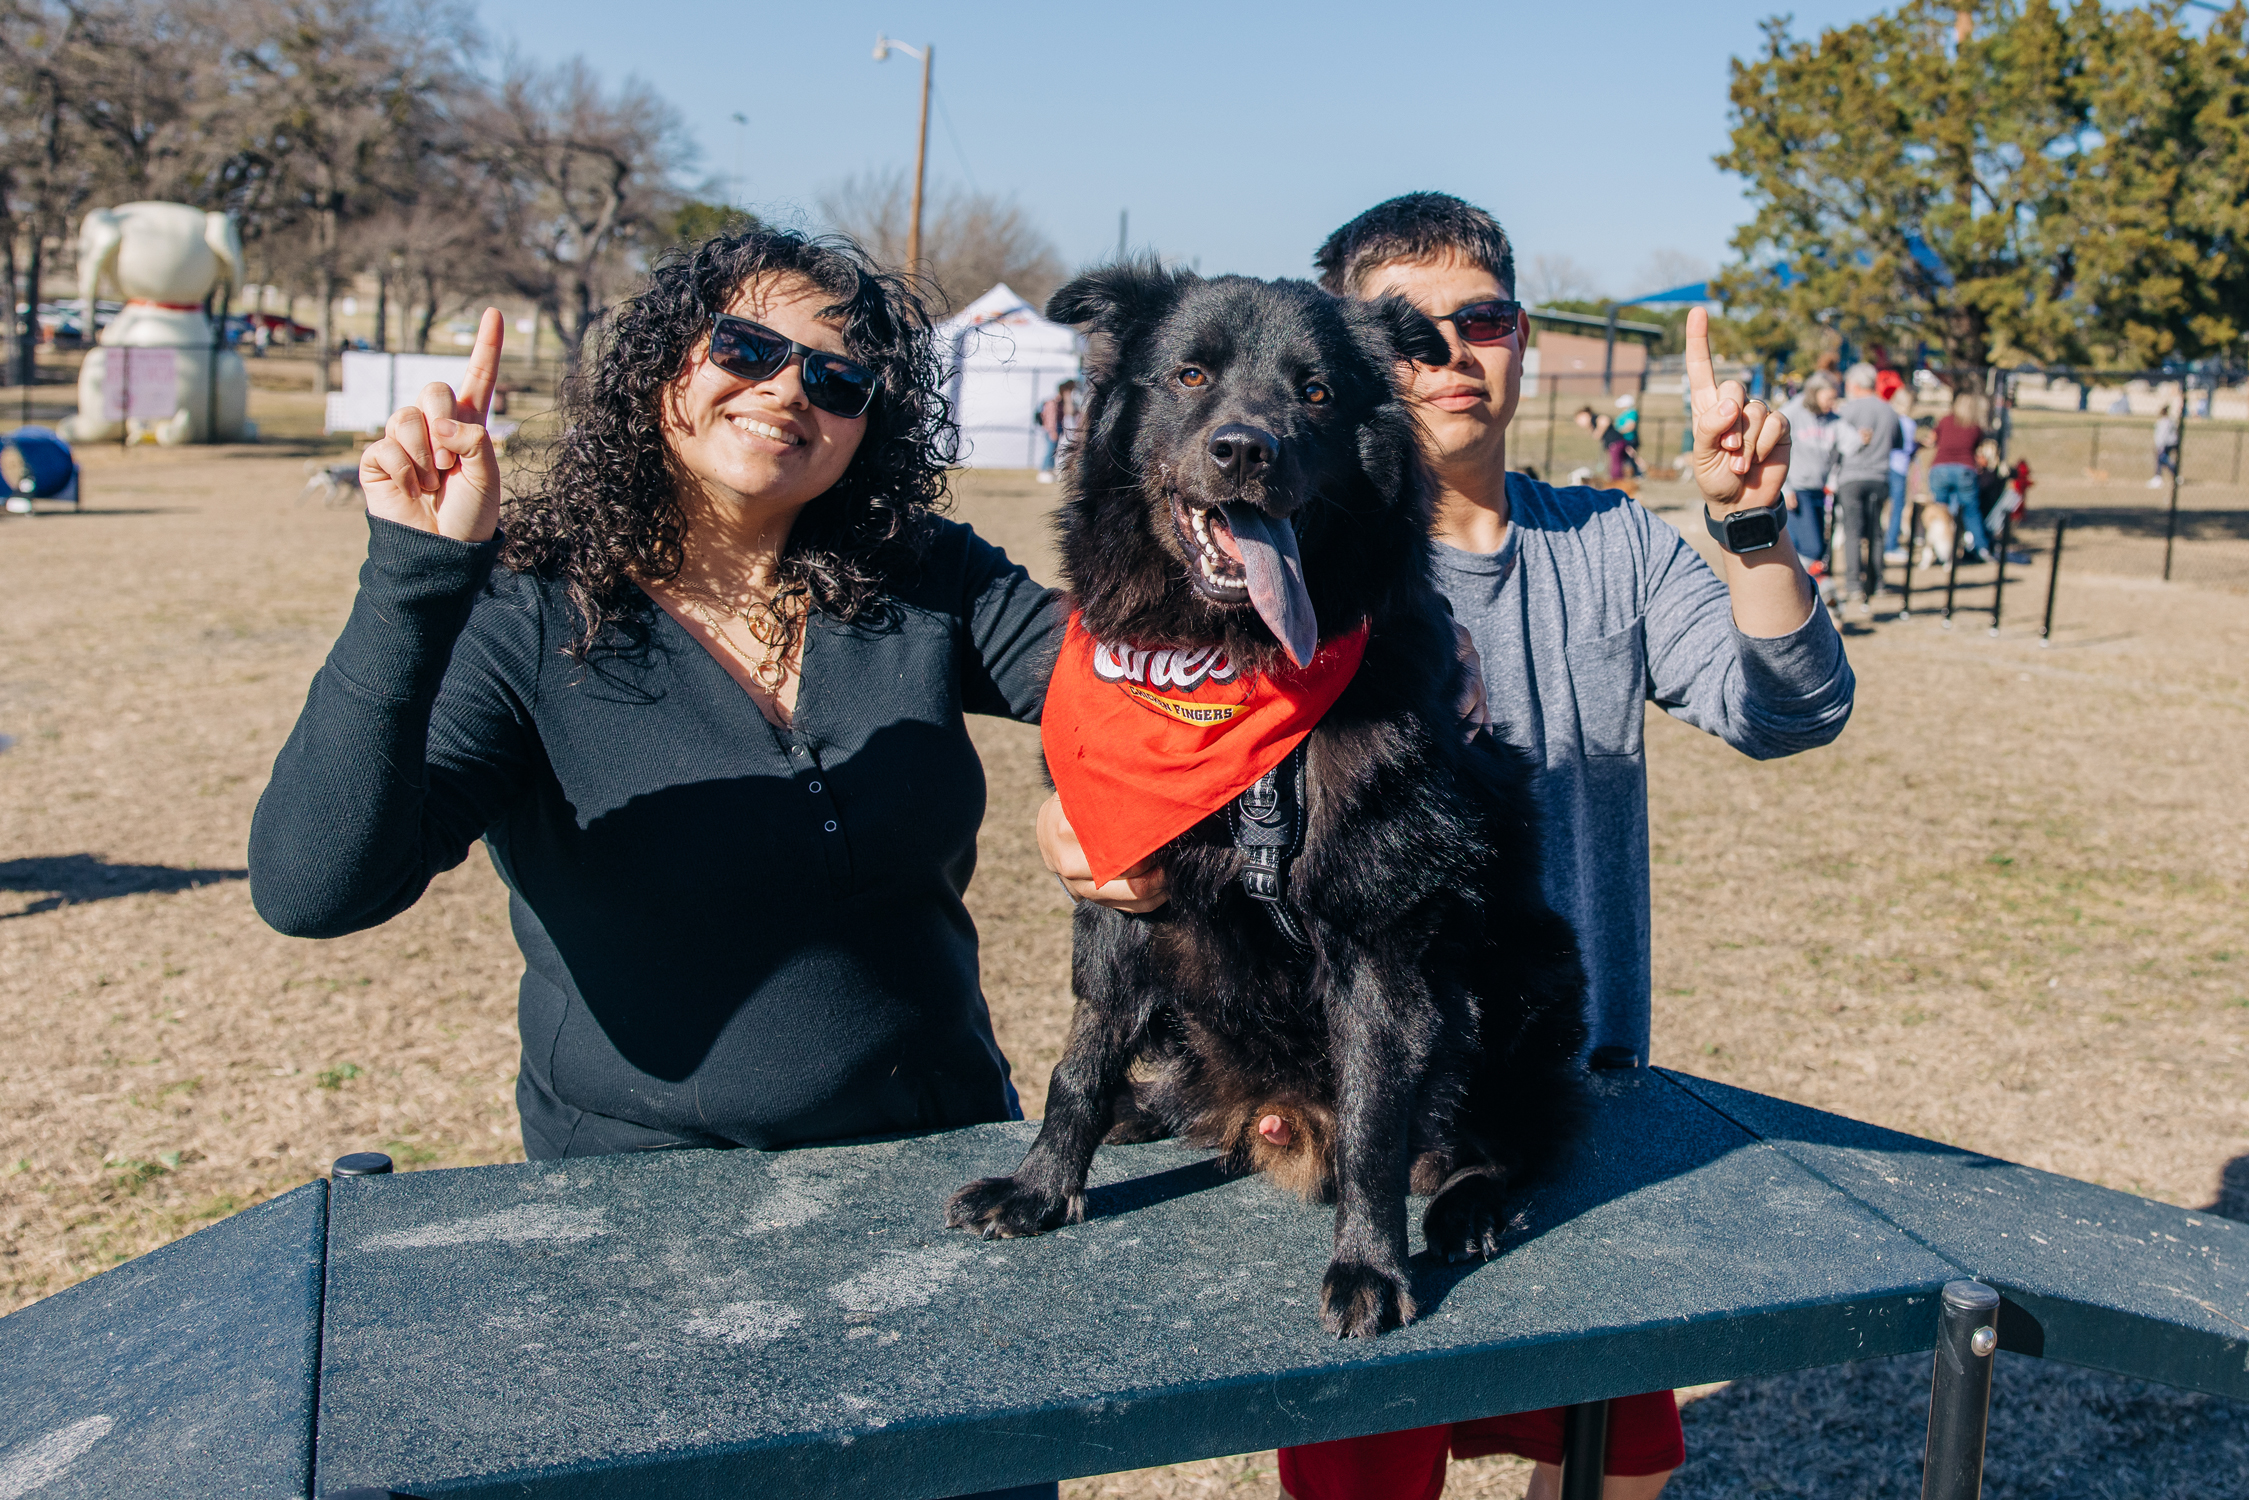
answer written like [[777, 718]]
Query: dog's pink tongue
[[1275, 574]]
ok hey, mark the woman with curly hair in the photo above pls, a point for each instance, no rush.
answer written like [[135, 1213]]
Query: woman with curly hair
[[702, 697]]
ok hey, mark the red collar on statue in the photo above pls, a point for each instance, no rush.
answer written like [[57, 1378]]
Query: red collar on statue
[[167, 306]]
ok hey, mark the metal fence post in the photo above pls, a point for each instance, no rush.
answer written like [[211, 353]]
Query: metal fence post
[[1999, 584], [2093, 464], [1960, 1392], [2053, 578], [1585, 1449], [1553, 394], [2178, 457], [1912, 545], [1952, 573]]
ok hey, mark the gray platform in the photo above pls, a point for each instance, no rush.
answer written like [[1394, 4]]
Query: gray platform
[[719, 1323], [187, 1372]]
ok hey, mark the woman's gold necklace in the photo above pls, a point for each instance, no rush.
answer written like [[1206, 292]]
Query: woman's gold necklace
[[781, 639]]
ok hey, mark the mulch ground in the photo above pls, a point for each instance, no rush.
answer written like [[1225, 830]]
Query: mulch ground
[[2004, 910]]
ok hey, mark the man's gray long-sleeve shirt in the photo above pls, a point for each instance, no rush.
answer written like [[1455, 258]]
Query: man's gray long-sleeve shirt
[[1590, 609]]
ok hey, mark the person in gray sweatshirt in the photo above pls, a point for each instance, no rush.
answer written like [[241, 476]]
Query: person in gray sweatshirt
[[1812, 431], [1871, 432], [1584, 608]]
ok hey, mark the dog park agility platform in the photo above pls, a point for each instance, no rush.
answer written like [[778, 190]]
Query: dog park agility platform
[[722, 1323]]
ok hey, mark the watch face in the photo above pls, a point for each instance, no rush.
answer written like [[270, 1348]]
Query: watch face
[[1752, 531]]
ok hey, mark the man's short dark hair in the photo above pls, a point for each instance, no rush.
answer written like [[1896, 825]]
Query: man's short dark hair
[[1416, 227]]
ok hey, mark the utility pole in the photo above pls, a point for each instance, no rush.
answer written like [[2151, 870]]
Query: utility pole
[[741, 160], [928, 56], [1124, 218]]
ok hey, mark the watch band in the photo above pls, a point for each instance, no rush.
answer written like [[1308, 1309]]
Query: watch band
[[1721, 529]]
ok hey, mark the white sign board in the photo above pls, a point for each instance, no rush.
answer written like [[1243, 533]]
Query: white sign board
[[375, 385], [141, 385]]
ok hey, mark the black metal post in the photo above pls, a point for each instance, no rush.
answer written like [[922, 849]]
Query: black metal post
[[1553, 394], [1999, 584], [2178, 454], [1585, 1449], [1912, 545], [2053, 577], [1960, 1392], [1952, 573]]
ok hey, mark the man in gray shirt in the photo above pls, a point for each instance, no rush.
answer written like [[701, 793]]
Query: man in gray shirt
[[1870, 432]]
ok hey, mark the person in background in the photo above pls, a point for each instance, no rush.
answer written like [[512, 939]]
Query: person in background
[[1871, 433], [1901, 471], [2166, 448], [1623, 439], [1952, 470], [1050, 428], [1812, 431]]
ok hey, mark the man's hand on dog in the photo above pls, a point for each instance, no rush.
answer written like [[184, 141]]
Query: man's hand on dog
[[1142, 888], [1741, 444]]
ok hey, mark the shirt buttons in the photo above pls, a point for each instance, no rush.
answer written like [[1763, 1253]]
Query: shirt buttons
[[815, 786], [830, 825]]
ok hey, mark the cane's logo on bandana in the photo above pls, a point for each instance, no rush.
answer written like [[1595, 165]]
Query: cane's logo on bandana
[[1144, 744], [1183, 668]]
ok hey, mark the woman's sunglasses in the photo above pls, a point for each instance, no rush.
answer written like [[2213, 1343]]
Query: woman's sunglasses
[[753, 351], [1483, 322]]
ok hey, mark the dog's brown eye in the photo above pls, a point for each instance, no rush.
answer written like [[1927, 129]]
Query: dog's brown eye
[[1191, 377], [1316, 393]]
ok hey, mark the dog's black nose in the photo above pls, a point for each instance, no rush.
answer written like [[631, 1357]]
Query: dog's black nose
[[1243, 452]]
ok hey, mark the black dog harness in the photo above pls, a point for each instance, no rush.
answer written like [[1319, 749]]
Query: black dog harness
[[1268, 821]]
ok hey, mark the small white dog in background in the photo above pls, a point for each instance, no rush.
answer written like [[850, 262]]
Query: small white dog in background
[[335, 484]]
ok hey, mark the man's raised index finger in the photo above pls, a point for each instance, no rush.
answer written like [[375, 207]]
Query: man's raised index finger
[[1702, 379], [484, 368]]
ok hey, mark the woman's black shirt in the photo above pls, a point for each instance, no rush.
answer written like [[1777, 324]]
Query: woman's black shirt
[[732, 933]]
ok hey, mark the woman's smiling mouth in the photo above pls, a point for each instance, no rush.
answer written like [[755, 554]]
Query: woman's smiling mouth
[[766, 430]]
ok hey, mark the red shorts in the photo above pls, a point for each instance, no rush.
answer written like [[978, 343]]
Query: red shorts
[[1644, 1438]]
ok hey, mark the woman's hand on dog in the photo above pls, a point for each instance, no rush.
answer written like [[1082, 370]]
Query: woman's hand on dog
[[433, 468], [1142, 888], [1741, 444]]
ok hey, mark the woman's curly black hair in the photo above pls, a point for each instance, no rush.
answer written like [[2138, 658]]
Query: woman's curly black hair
[[605, 513]]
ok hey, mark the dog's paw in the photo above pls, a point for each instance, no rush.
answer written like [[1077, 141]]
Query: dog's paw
[[1358, 1301], [1467, 1220], [1000, 1208]]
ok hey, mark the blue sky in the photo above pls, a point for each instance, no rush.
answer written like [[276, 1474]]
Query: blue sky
[[1236, 134]]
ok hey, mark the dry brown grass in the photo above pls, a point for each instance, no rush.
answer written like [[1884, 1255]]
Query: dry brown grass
[[2004, 910]]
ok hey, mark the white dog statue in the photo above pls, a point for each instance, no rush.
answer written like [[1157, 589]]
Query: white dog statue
[[163, 259]]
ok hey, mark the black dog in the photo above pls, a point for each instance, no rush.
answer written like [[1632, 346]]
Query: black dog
[[1414, 1010]]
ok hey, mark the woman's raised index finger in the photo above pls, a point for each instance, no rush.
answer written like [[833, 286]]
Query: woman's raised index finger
[[484, 368], [1702, 379]]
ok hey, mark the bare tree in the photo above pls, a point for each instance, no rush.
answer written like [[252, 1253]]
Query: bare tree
[[53, 172], [1558, 278], [327, 89], [970, 240], [583, 185]]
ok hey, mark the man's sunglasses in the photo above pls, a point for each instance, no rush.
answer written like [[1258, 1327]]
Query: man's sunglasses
[[755, 352], [1483, 322]]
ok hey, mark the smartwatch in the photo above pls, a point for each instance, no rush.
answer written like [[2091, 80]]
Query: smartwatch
[[1752, 529]]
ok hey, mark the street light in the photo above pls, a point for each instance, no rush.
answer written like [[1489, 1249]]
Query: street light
[[927, 54], [741, 160]]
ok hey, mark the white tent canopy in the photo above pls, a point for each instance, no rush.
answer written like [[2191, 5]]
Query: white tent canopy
[[1002, 362]]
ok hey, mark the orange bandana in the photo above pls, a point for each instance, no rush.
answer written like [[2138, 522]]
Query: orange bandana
[[1143, 745]]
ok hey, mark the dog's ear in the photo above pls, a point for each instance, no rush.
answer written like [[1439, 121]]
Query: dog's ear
[[1410, 332], [1114, 302]]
